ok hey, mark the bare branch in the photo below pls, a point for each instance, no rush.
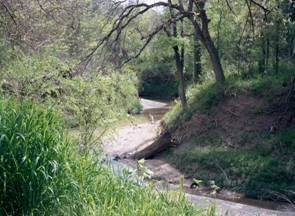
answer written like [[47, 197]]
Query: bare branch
[[150, 37], [261, 6], [11, 15], [230, 7], [250, 14], [124, 19]]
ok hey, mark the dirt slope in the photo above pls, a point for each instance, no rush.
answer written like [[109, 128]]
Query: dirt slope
[[229, 120]]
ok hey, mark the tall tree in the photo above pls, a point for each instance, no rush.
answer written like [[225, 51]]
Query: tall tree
[[179, 56], [193, 10]]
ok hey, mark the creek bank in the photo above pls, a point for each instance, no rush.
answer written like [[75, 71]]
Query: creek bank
[[132, 138]]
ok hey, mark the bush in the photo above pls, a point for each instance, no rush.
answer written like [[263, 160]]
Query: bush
[[37, 77], [45, 79], [157, 79], [91, 101]]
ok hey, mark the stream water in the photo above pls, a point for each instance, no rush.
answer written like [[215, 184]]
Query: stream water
[[155, 112]]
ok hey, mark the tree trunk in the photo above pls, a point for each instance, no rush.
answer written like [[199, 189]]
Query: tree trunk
[[290, 41], [180, 75], [146, 151], [277, 44], [197, 59], [261, 62], [267, 53], [179, 58], [213, 53], [206, 39]]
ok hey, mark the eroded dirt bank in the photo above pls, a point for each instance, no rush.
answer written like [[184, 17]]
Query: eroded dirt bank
[[130, 139]]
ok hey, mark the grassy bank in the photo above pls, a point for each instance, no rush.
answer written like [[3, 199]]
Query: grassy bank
[[41, 173], [244, 139], [266, 173], [203, 97]]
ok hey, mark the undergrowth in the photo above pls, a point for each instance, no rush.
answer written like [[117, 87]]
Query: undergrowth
[[41, 173], [262, 172]]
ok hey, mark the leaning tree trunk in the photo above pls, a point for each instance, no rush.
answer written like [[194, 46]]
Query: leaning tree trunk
[[216, 63], [207, 41]]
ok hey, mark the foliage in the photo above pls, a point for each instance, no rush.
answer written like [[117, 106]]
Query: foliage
[[256, 172], [89, 102], [41, 174], [263, 85], [35, 76], [32, 148], [45, 79], [97, 102], [41, 42], [157, 80], [200, 99], [142, 170]]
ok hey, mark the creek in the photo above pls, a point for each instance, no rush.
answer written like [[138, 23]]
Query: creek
[[153, 112]]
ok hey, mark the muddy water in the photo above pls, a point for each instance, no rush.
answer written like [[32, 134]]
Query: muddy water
[[155, 112]]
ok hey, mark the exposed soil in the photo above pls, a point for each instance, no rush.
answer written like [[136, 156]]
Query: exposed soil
[[236, 115], [134, 138]]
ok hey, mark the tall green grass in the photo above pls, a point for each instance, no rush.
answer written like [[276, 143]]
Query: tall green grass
[[42, 174], [31, 145]]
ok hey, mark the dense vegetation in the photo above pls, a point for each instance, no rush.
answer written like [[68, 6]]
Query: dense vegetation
[[45, 171], [81, 65], [42, 173]]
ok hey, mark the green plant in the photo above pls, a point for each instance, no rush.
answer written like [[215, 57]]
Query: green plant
[[95, 102], [249, 171], [33, 76], [31, 146], [41, 174], [142, 170], [201, 98]]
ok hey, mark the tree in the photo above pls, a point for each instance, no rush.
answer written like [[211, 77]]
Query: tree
[[192, 10], [179, 56], [197, 58]]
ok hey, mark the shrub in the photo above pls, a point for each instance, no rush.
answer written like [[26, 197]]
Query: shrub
[[89, 101], [36, 77]]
